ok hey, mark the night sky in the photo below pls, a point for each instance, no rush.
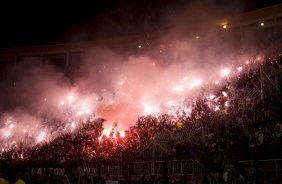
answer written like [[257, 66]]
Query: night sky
[[25, 24]]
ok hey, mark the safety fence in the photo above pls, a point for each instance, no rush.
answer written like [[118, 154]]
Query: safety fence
[[185, 167], [270, 166], [100, 173], [172, 168]]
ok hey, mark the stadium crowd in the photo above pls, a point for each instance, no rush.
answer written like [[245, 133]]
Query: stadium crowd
[[250, 127]]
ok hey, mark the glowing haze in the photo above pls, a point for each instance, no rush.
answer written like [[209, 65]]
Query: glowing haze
[[40, 102], [44, 104]]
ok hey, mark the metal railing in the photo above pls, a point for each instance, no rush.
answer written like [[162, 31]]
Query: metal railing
[[174, 168], [269, 165]]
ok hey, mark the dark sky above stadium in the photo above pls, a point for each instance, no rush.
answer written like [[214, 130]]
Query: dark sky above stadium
[[24, 24]]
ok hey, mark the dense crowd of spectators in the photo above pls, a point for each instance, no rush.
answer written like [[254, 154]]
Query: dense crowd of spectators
[[250, 127]]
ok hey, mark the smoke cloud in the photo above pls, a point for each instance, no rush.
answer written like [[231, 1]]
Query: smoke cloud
[[40, 102]]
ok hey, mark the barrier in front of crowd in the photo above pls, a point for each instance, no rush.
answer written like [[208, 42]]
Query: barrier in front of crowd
[[270, 166], [185, 167], [98, 173], [174, 168]]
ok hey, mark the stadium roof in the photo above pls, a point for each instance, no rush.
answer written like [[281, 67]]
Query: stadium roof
[[263, 14], [260, 15]]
